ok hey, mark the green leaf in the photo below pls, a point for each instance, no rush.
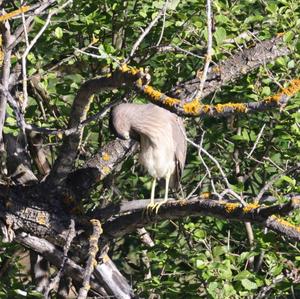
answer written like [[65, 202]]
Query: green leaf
[[58, 32], [288, 36], [220, 35], [248, 284], [219, 250], [173, 4], [243, 274]]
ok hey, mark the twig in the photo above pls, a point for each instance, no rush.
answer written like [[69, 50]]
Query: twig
[[145, 32], [29, 47], [273, 179], [91, 263], [256, 141], [163, 26], [5, 75], [198, 93], [55, 281], [67, 132]]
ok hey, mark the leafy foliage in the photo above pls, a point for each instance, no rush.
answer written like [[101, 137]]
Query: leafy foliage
[[196, 257]]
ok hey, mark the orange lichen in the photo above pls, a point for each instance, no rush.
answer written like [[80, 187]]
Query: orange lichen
[[14, 13], [292, 89], [239, 107], [250, 207], [105, 258], [216, 69], [129, 69], [139, 82], [171, 101], [286, 223], [205, 195], [106, 170], [105, 156], [183, 202], [296, 200], [230, 207], [192, 107], [41, 218], [152, 93], [206, 108]]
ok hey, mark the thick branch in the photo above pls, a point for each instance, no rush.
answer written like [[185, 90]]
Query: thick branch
[[231, 69], [64, 163], [135, 215], [56, 257]]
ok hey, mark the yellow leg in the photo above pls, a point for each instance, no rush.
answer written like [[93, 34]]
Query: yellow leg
[[151, 205], [158, 205]]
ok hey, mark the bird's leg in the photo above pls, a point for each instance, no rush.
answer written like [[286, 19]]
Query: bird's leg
[[151, 205], [158, 205]]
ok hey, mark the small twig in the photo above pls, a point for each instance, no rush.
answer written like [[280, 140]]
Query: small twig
[[55, 281], [273, 179], [208, 57], [29, 47], [163, 26], [97, 56], [67, 132], [256, 141], [91, 263], [145, 32], [197, 187]]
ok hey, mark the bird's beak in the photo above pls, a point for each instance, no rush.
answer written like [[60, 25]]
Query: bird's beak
[[126, 136]]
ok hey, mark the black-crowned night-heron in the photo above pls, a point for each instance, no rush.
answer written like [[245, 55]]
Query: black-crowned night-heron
[[162, 141]]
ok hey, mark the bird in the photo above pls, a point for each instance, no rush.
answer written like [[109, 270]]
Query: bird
[[163, 146]]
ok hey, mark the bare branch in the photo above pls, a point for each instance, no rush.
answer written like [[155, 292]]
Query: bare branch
[[97, 231], [55, 281], [208, 57], [145, 32], [29, 47]]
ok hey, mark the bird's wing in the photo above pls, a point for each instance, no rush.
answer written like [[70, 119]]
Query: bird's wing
[[180, 145]]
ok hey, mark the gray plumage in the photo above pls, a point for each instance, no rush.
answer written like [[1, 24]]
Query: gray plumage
[[161, 137]]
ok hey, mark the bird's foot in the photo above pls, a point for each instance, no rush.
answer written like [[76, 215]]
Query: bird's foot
[[154, 207], [158, 205]]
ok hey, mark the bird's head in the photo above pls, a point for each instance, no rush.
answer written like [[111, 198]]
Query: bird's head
[[120, 121]]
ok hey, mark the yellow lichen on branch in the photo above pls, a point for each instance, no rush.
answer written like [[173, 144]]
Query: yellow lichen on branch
[[195, 107], [250, 207], [14, 13], [105, 156], [286, 223], [192, 107], [129, 69], [239, 107], [171, 101], [291, 90], [230, 207], [152, 93]]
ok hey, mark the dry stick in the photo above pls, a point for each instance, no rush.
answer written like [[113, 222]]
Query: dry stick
[[219, 167], [29, 47], [55, 281], [199, 91], [256, 141], [37, 9], [272, 181], [91, 263], [7, 40], [205, 165], [164, 22], [145, 32], [67, 132]]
